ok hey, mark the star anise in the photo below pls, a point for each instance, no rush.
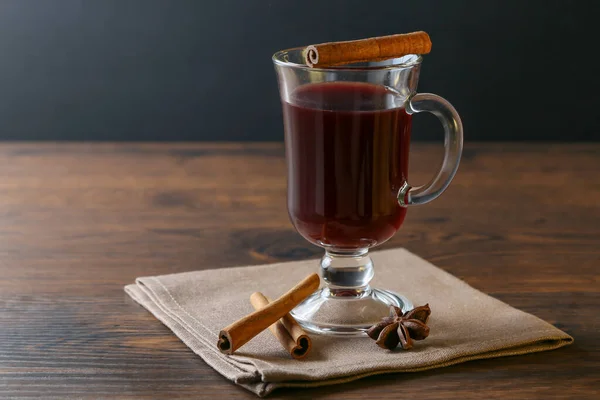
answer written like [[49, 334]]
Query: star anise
[[401, 328]]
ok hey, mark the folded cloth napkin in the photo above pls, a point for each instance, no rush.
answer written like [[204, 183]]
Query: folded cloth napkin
[[465, 323]]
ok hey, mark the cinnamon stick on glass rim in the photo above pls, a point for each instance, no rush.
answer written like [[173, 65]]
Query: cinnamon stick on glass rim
[[240, 332], [289, 333], [363, 50]]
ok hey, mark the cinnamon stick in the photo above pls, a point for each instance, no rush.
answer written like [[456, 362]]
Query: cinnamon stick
[[240, 332], [372, 49], [289, 333]]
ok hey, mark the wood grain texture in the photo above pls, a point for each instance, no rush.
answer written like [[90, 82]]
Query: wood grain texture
[[79, 221]]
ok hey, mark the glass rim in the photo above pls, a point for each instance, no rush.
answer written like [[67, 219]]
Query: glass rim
[[278, 60]]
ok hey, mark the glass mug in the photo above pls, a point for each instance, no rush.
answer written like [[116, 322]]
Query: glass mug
[[347, 136]]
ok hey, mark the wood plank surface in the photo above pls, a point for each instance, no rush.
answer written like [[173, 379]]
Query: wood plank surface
[[78, 221]]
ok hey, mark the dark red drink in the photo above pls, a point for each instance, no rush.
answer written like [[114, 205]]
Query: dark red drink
[[347, 146]]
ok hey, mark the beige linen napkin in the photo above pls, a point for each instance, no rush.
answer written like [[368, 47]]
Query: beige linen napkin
[[465, 323]]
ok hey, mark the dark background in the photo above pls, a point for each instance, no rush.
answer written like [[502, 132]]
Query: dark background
[[201, 70]]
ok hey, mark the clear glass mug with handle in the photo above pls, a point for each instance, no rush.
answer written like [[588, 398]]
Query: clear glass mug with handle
[[347, 140]]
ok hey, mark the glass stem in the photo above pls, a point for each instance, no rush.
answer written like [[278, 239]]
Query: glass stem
[[347, 273]]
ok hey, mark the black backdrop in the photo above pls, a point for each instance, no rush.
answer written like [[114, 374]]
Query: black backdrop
[[201, 70]]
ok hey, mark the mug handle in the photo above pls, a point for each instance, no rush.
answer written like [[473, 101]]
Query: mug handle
[[453, 144]]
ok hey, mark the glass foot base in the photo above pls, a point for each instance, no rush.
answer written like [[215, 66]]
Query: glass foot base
[[346, 313]]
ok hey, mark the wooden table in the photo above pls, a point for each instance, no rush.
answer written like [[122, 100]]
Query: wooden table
[[79, 221]]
